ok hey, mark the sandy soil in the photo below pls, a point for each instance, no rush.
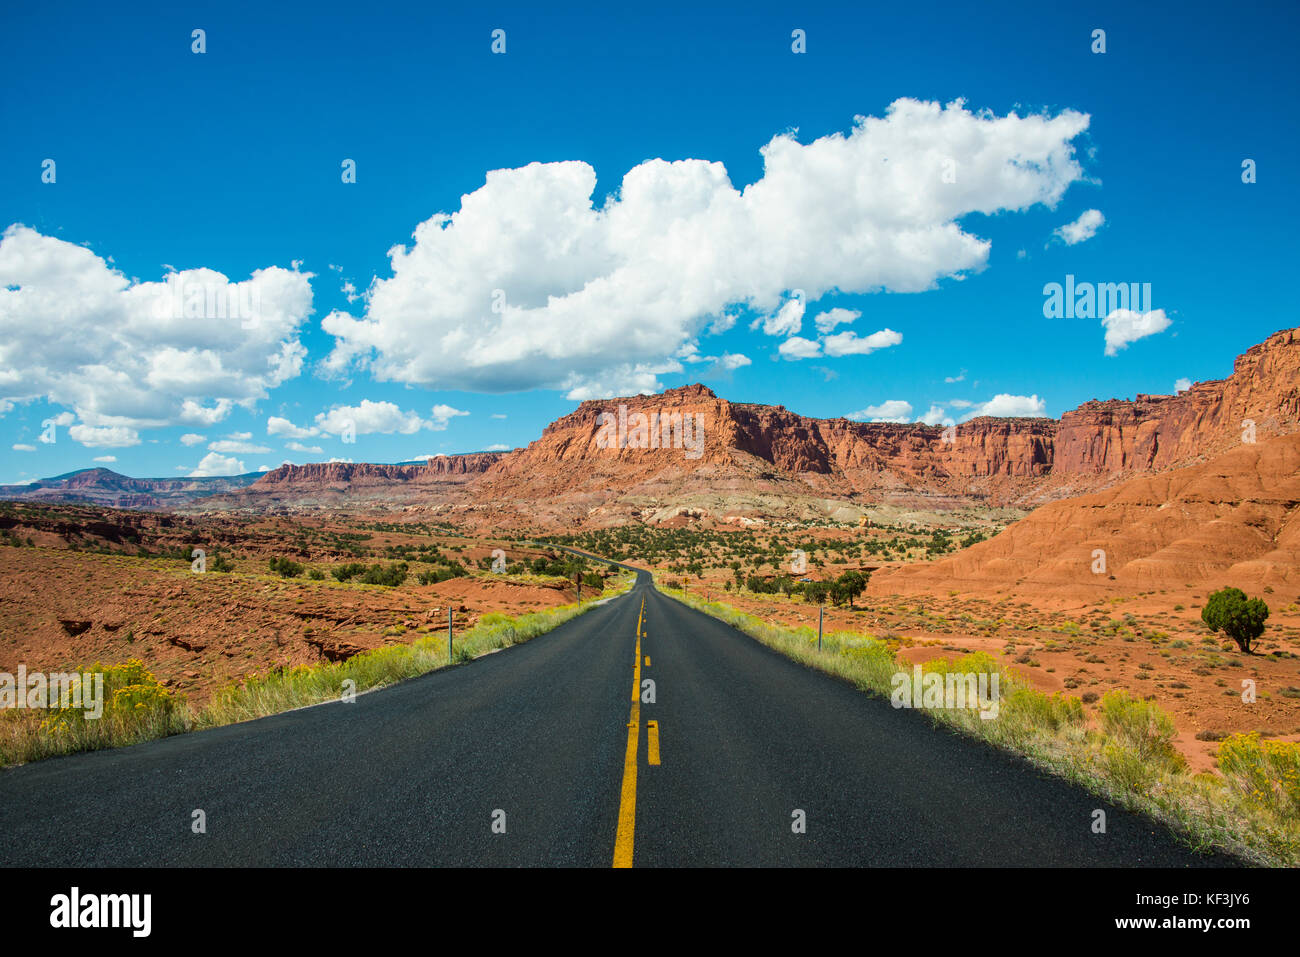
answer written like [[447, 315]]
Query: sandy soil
[[63, 608]]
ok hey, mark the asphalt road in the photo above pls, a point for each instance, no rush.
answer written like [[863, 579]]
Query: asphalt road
[[420, 773]]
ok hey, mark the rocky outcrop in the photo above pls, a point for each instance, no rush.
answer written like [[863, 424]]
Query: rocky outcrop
[[757, 459], [361, 474], [1260, 398], [335, 474], [611, 460], [1232, 520], [469, 463], [790, 443]]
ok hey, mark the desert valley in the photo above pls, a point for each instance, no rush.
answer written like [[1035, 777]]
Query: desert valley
[[772, 437], [1079, 552]]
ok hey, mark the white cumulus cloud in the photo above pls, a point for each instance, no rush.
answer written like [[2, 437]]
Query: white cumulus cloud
[[731, 361], [786, 321], [363, 419], [828, 320], [533, 282], [442, 414], [891, 410], [1004, 405], [128, 355], [368, 417], [238, 442], [106, 436], [1124, 326], [216, 464], [797, 347], [849, 343], [1083, 228], [934, 416], [276, 425]]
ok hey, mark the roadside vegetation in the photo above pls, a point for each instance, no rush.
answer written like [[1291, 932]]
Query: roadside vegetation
[[286, 688], [747, 554], [1252, 808], [138, 708], [840, 590]]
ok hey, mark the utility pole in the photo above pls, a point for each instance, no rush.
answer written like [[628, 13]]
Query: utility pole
[[821, 610], [449, 656]]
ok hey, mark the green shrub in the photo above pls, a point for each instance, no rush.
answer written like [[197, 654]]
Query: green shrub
[[1143, 728], [815, 592], [389, 576], [1127, 769], [1240, 618], [347, 572], [1042, 711], [1267, 772], [440, 574], [285, 567]]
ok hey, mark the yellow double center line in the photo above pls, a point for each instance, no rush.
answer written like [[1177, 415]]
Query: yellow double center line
[[627, 803]]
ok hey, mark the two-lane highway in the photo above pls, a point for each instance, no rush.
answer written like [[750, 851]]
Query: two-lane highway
[[545, 754]]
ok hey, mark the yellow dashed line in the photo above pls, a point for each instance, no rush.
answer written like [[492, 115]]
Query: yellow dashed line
[[627, 801]]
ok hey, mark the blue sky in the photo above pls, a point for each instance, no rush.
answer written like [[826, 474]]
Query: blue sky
[[229, 160]]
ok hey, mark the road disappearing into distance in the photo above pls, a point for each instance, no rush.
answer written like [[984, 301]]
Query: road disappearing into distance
[[642, 733]]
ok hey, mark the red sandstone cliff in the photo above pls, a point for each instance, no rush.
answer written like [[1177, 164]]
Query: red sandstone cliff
[[362, 474], [741, 458], [1158, 431]]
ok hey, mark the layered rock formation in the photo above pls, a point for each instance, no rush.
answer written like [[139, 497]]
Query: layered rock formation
[[363, 474], [996, 460], [335, 484], [1234, 520], [641, 457], [1158, 431], [734, 459]]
